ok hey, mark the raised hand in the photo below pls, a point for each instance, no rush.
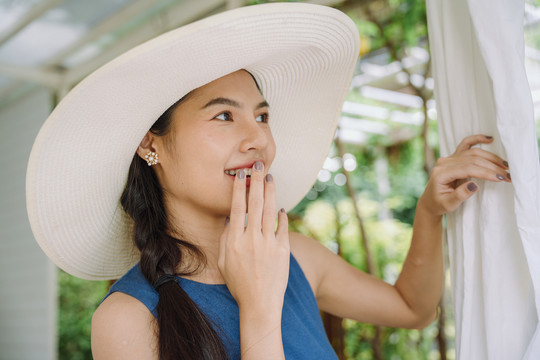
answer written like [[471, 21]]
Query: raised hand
[[254, 259], [450, 183]]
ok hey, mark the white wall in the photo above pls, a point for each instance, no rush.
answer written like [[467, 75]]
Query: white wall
[[28, 305]]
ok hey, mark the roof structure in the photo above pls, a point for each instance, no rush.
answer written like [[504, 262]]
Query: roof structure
[[56, 43]]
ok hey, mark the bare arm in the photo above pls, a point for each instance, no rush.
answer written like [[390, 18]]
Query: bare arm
[[347, 292], [123, 328], [410, 303], [421, 280]]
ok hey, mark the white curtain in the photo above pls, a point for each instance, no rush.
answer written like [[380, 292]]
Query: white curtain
[[481, 87]]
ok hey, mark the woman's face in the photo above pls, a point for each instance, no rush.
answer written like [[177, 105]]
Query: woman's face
[[219, 127]]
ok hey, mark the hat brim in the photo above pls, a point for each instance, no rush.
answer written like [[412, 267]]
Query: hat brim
[[302, 56]]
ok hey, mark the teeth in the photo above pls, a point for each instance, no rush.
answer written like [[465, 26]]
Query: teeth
[[233, 172]]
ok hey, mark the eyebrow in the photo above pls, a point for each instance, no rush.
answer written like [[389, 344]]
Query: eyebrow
[[230, 102]]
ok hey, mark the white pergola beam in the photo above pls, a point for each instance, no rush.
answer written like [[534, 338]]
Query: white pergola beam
[[35, 12], [175, 16], [44, 77], [389, 80], [183, 13], [108, 25]]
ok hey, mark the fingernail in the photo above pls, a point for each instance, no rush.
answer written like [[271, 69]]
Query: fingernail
[[258, 165], [282, 210], [508, 176], [489, 137], [227, 220], [472, 187], [241, 174], [500, 177], [505, 163], [269, 178]]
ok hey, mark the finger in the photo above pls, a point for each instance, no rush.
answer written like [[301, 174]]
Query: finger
[[460, 194], [223, 244], [452, 173], [282, 232], [238, 206], [476, 153], [269, 209], [476, 157], [472, 140], [488, 155], [256, 196]]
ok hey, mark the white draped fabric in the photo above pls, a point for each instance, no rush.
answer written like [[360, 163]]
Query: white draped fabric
[[481, 87]]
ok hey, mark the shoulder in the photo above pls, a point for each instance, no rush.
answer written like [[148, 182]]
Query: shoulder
[[304, 247], [300, 241], [123, 328], [135, 284], [313, 257]]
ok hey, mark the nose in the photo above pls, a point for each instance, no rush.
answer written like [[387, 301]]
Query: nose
[[254, 135]]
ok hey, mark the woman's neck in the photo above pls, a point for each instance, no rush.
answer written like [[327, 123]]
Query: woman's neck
[[203, 230]]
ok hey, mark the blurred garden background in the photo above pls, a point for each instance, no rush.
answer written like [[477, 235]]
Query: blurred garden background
[[363, 203]]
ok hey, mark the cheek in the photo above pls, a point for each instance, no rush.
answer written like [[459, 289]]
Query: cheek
[[181, 159], [271, 148], [199, 144], [214, 147], [208, 153]]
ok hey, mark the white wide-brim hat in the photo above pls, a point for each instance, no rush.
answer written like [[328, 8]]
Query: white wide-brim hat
[[302, 57]]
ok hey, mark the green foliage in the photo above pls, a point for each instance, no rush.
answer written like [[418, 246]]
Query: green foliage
[[403, 23], [407, 179], [77, 301], [399, 344]]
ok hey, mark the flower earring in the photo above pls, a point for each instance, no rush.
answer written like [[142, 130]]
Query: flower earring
[[151, 158]]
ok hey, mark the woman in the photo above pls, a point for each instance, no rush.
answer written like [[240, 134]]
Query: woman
[[213, 277]]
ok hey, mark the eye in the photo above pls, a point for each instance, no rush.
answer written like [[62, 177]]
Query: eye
[[225, 116], [263, 118]]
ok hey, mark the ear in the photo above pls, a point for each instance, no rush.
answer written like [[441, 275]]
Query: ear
[[146, 145]]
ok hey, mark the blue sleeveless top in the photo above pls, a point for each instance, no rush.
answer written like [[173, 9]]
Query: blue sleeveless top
[[301, 325]]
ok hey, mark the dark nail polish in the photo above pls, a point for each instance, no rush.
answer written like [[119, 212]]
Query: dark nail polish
[[258, 165], [508, 176], [269, 178], [227, 220], [505, 163], [472, 187], [241, 174], [282, 210], [500, 177], [489, 137]]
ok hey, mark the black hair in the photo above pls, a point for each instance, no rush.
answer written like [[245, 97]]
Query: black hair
[[183, 330]]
